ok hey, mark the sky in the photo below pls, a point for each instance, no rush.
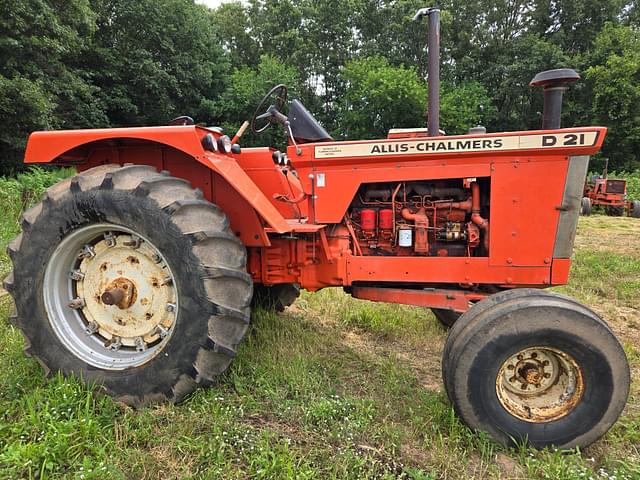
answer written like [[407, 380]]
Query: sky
[[211, 3]]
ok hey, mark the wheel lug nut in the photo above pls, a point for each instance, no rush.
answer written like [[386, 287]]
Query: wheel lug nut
[[87, 252], [510, 367], [76, 275], [156, 258], [92, 328], [171, 307], [110, 239], [161, 331], [134, 242], [77, 303], [140, 345], [545, 363], [114, 344], [534, 355]]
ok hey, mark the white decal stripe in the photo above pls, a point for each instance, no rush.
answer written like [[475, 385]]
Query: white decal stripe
[[458, 145]]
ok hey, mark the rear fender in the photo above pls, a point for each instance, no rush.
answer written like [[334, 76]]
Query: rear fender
[[77, 147]]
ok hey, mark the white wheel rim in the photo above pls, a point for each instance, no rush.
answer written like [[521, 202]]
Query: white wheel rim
[[539, 384], [105, 258]]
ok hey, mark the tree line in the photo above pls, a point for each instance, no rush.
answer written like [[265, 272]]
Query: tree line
[[358, 65]]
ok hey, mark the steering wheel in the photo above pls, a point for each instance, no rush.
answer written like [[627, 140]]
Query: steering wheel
[[276, 99]]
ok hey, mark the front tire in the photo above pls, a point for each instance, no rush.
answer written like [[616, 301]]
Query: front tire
[[127, 278], [585, 208], [541, 369], [635, 209]]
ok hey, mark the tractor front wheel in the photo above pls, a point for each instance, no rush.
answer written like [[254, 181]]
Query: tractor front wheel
[[635, 209], [127, 278], [585, 208], [537, 368]]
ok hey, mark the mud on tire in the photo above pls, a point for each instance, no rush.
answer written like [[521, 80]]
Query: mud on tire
[[208, 265]]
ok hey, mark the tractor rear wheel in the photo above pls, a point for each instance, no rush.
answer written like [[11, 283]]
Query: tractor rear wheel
[[635, 209], [127, 278], [277, 297], [539, 368], [446, 317], [585, 206], [614, 211]]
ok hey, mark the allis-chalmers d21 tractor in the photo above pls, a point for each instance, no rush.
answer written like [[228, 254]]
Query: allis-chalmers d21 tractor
[[608, 193], [142, 280]]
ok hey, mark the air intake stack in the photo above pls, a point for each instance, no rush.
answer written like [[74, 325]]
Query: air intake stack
[[554, 83]]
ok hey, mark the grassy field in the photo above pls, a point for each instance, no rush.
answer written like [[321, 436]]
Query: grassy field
[[332, 388]]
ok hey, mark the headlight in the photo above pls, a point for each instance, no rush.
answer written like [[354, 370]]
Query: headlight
[[209, 143], [224, 144]]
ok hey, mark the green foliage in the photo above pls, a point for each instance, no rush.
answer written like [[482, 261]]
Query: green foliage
[[18, 194], [358, 65], [156, 59], [614, 76], [42, 84], [379, 97], [246, 87], [633, 183], [465, 106]]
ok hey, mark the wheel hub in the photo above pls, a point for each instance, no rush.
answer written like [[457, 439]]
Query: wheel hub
[[531, 372], [539, 384], [126, 291], [110, 296], [121, 293]]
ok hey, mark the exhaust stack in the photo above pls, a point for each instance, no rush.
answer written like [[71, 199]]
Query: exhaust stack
[[433, 75], [554, 83]]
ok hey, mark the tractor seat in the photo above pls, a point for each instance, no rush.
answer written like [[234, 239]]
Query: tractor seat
[[304, 127]]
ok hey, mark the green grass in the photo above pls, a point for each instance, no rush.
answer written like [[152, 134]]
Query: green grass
[[332, 388], [17, 194]]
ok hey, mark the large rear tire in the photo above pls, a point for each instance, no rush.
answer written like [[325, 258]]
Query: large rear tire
[[537, 368], [127, 278], [614, 211]]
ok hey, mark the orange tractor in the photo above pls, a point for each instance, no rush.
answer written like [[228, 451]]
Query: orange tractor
[[608, 193], [142, 281]]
